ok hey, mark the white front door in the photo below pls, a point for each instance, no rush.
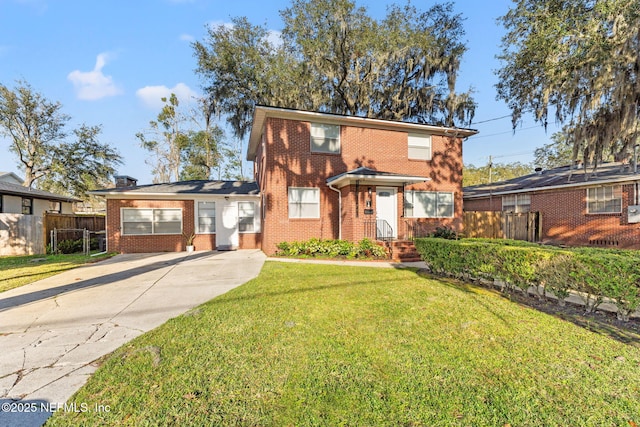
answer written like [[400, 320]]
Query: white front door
[[387, 210], [227, 226]]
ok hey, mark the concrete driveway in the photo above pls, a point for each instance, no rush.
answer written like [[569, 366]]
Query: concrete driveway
[[52, 331]]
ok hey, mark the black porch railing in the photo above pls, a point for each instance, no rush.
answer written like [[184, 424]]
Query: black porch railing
[[378, 229], [414, 229]]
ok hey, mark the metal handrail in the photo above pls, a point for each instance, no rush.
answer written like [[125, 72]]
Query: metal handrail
[[378, 229], [384, 231]]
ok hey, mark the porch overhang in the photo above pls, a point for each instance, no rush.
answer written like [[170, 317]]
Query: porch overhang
[[366, 176]]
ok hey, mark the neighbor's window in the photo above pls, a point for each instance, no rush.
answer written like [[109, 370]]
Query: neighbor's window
[[428, 204], [304, 202], [419, 147], [27, 206], [206, 217], [604, 199], [246, 217], [1, 197], [151, 221], [325, 138], [516, 203], [55, 207]]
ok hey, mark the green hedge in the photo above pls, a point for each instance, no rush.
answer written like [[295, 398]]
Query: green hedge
[[594, 273], [366, 248]]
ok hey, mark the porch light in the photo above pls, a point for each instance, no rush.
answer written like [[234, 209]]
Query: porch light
[[370, 191]]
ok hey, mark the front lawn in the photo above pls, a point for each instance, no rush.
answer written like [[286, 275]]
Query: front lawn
[[331, 345], [16, 271]]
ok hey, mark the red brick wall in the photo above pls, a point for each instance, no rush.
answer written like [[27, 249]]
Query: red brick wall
[[565, 219], [157, 243], [288, 162], [163, 243], [485, 204]]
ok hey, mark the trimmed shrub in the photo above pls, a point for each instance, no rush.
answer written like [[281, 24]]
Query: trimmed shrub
[[594, 274], [366, 248]]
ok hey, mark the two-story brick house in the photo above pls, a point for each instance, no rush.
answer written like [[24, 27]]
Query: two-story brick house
[[332, 176], [316, 175]]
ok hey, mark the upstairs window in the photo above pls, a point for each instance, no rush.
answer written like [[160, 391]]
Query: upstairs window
[[325, 138], [517, 203], [604, 199], [419, 147]]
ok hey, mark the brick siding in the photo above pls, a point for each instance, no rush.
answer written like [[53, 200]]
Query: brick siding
[[287, 161], [565, 219], [163, 242]]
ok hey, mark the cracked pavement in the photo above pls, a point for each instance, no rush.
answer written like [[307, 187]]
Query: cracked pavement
[[53, 331]]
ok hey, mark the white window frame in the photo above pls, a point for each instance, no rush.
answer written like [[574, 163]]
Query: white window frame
[[255, 224], [615, 194], [292, 201], [321, 128], [419, 146], [521, 203], [153, 221], [197, 219], [437, 195]]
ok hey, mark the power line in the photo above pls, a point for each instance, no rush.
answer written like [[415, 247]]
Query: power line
[[490, 120], [502, 133]]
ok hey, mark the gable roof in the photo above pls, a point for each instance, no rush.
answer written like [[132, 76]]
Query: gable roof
[[557, 178], [262, 112], [371, 176], [202, 187], [19, 190], [11, 178]]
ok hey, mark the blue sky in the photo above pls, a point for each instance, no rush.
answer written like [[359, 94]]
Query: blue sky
[[110, 62]]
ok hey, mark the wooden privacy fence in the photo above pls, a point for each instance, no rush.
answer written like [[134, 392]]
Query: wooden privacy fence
[[21, 234], [503, 225], [71, 222]]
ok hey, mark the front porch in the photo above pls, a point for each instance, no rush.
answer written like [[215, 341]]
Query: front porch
[[400, 247], [371, 205]]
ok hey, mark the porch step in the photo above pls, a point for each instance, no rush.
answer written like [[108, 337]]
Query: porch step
[[403, 251]]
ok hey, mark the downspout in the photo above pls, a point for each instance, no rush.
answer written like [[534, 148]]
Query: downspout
[[339, 210]]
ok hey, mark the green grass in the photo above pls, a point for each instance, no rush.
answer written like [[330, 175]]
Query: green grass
[[329, 345], [17, 271]]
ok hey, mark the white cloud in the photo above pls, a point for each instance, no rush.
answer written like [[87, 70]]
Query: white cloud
[[187, 38], [92, 85], [216, 24], [151, 95]]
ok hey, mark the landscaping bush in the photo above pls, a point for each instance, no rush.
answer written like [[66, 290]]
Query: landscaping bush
[[594, 274], [71, 246], [366, 248], [445, 233]]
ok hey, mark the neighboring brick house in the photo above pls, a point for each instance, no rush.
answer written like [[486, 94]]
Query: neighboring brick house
[[316, 175], [333, 176], [578, 207]]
